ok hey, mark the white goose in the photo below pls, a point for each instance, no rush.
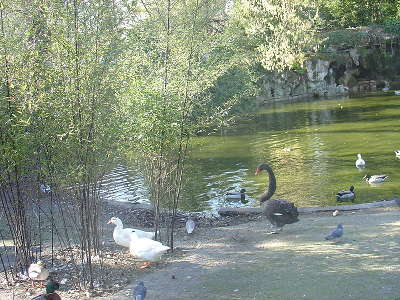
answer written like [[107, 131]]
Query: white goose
[[360, 163], [37, 272], [123, 236], [375, 178], [397, 153], [147, 250]]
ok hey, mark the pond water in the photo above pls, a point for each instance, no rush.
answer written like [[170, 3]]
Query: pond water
[[312, 147]]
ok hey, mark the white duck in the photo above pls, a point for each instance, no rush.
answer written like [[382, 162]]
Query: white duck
[[147, 250], [37, 272], [375, 178], [123, 236], [397, 153], [360, 163]]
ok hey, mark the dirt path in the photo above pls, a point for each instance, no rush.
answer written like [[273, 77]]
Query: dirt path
[[244, 262]]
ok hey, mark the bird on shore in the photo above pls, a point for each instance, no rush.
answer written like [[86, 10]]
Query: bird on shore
[[375, 178], [346, 195], [360, 163], [123, 236], [38, 272], [278, 211], [139, 291], [147, 250], [45, 188], [190, 225], [51, 287], [336, 233]]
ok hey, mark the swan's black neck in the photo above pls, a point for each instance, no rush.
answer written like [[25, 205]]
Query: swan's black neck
[[272, 183]]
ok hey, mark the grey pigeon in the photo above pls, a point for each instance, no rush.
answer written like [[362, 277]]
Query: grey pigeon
[[44, 188], [336, 233], [190, 225], [139, 291]]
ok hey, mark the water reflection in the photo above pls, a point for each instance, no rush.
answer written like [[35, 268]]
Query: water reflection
[[124, 184], [324, 138]]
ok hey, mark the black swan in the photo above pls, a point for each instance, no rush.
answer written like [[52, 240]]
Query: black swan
[[278, 211]]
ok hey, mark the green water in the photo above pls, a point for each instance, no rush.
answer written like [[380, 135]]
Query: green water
[[324, 137]]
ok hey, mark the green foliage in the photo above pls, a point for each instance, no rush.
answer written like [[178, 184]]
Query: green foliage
[[392, 25], [58, 109], [354, 13], [299, 69], [286, 32], [345, 38]]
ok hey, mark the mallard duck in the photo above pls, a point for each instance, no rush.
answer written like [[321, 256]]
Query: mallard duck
[[397, 153], [51, 287], [278, 211], [147, 249], [237, 195], [375, 178], [122, 236], [190, 225], [360, 163], [346, 195], [38, 272]]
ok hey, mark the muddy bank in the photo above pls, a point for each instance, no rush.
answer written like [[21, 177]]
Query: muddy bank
[[143, 216]]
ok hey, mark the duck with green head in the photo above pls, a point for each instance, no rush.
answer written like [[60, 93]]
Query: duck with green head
[[51, 287]]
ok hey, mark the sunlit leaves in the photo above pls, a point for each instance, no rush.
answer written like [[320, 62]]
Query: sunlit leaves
[[354, 13], [285, 31]]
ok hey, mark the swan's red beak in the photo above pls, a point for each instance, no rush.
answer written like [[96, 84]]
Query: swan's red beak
[[109, 222], [258, 171]]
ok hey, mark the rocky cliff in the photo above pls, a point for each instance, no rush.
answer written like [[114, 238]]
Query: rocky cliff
[[340, 70]]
